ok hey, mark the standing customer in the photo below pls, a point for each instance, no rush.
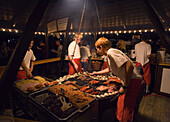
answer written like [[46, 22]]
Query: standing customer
[[120, 65], [74, 54], [143, 53], [26, 68]]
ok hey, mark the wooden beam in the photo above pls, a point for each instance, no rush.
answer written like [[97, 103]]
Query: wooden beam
[[64, 46], [121, 14], [18, 54], [158, 25], [159, 10]]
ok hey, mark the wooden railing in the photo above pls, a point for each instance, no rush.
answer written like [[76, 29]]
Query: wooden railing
[[2, 68]]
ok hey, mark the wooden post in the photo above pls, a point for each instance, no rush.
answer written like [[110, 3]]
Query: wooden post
[[64, 46], [157, 24], [18, 54]]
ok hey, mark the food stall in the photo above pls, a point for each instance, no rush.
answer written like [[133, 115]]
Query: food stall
[[71, 97]]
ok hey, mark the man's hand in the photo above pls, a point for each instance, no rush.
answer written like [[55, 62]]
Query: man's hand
[[76, 67], [122, 90], [93, 73], [30, 69], [29, 74]]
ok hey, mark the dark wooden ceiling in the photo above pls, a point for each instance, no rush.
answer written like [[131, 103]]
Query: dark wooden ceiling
[[112, 14]]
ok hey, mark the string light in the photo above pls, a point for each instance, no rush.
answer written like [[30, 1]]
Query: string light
[[89, 33], [16, 31]]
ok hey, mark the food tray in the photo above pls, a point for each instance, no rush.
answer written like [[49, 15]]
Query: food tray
[[82, 83], [40, 97], [25, 92]]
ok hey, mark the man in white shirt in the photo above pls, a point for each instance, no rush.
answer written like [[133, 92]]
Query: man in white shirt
[[26, 68], [120, 65], [74, 54], [143, 53]]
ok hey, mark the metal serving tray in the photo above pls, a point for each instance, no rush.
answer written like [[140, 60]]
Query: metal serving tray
[[80, 83], [27, 93], [38, 97]]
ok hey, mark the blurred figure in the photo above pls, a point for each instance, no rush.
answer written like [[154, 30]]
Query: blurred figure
[[5, 53], [27, 65], [104, 62], [57, 48], [85, 55], [41, 50], [143, 54], [74, 54]]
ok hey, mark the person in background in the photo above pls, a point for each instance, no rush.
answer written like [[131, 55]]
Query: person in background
[[74, 54], [143, 53], [121, 66], [104, 57], [40, 48], [59, 48], [26, 68], [5, 53], [85, 55]]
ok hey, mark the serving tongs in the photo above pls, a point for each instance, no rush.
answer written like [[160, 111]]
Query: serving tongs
[[65, 105]]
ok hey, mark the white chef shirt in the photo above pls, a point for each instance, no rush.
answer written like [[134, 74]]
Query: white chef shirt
[[85, 52], [142, 49], [115, 60], [74, 50], [29, 56]]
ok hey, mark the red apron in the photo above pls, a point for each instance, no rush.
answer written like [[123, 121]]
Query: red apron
[[146, 71], [21, 75], [104, 65], [71, 67], [126, 102]]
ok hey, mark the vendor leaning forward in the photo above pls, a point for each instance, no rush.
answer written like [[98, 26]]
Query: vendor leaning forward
[[26, 68], [120, 65], [74, 54]]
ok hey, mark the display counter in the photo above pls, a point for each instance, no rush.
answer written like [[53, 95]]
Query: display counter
[[160, 78]]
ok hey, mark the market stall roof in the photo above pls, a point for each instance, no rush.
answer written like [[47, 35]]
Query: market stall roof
[[106, 15]]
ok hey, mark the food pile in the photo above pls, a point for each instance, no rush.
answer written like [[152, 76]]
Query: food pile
[[54, 104], [30, 85], [97, 86], [78, 98]]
